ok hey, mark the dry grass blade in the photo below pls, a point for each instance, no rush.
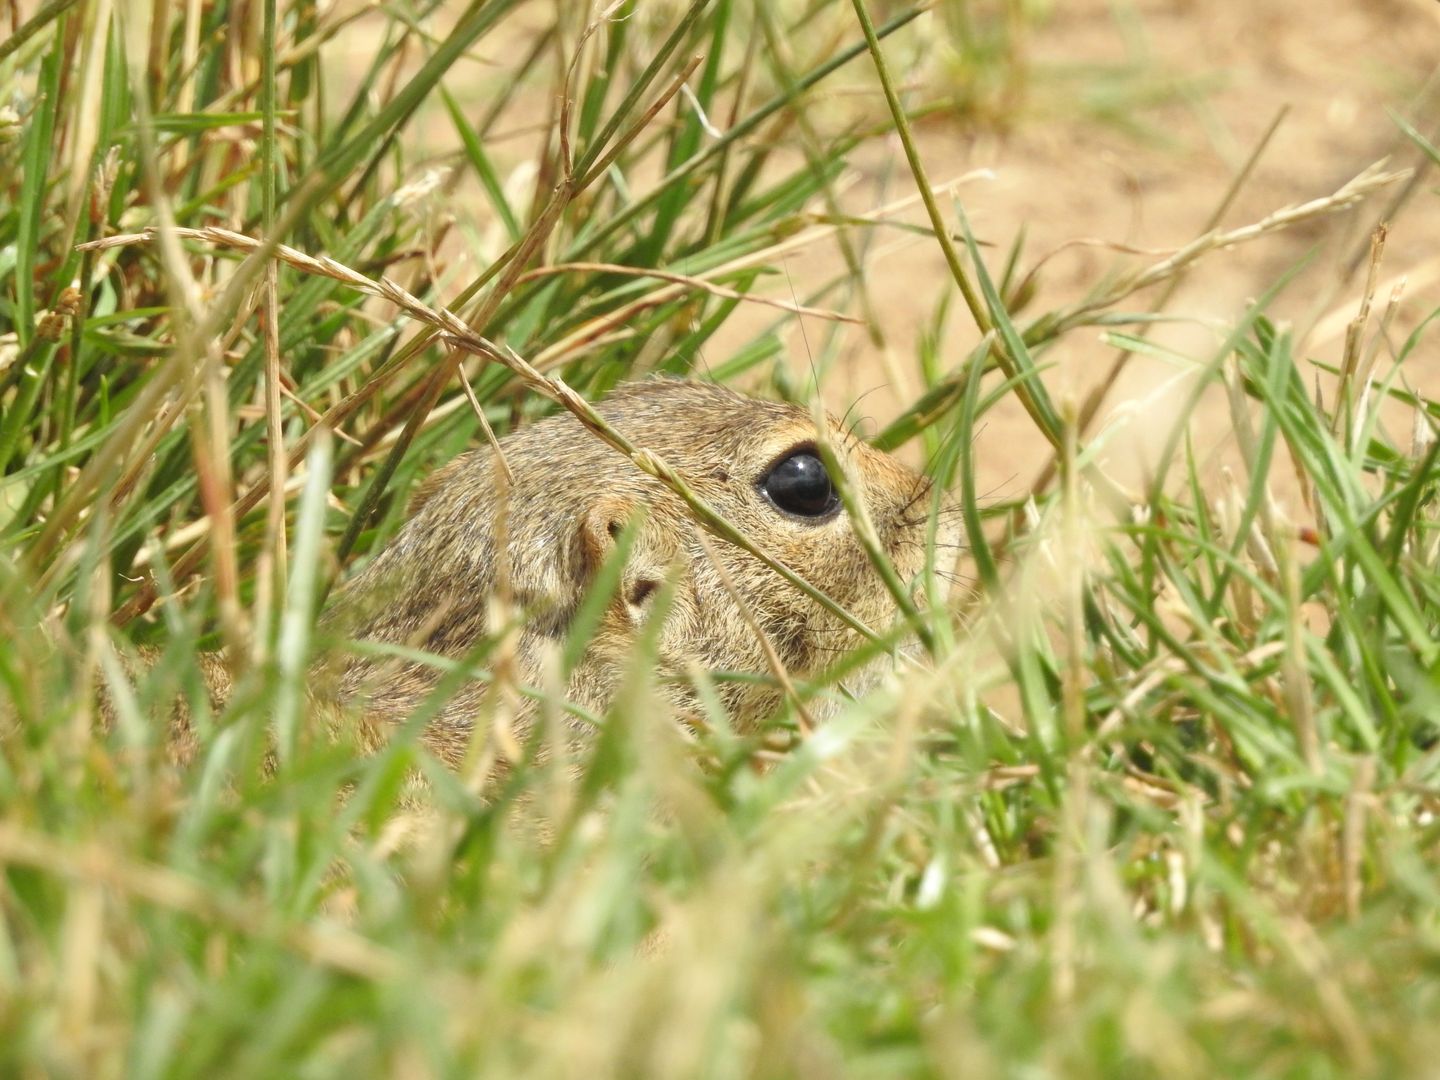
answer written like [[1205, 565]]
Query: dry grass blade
[[690, 281], [1354, 338], [1350, 194]]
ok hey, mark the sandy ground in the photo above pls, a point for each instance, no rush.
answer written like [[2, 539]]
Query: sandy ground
[[1064, 175]]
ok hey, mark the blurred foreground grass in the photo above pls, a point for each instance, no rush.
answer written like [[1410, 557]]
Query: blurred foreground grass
[[1160, 798]]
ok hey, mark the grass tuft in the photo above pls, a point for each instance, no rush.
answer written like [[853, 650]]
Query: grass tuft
[[1156, 795]]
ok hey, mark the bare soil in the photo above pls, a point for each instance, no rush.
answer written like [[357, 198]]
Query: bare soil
[[1065, 174]]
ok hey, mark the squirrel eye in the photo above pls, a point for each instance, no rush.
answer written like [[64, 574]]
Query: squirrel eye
[[800, 485]]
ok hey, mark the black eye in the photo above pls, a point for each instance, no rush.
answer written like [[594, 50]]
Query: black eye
[[800, 485]]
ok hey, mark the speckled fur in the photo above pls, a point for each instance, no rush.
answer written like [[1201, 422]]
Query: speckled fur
[[432, 585]]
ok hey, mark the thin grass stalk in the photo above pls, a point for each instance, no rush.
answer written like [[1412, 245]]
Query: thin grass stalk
[[335, 164], [721, 180], [1071, 564], [814, 156], [631, 133], [1298, 696], [300, 601], [275, 433], [689, 281], [864, 529], [917, 168], [1350, 194], [1346, 391], [210, 448]]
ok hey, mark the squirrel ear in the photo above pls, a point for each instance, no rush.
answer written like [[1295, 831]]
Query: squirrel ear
[[600, 527], [644, 571]]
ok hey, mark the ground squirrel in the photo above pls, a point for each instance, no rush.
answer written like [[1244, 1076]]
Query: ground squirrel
[[567, 498], [560, 501]]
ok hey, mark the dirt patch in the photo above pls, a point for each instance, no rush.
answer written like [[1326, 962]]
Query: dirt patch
[[1075, 166]]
